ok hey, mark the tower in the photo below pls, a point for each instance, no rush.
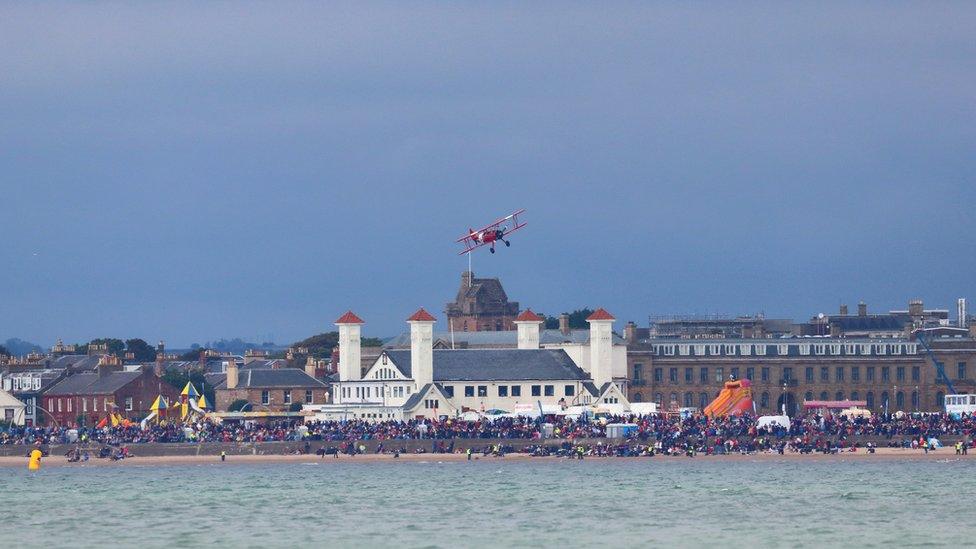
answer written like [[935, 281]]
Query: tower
[[528, 325], [422, 347], [350, 353], [601, 346]]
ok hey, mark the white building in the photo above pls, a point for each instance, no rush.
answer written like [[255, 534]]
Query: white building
[[426, 382], [11, 409]]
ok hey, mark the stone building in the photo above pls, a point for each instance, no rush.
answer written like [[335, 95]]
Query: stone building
[[271, 389], [889, 374], [481, 305]]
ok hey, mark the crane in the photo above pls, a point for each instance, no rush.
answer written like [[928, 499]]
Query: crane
[[939, 368]]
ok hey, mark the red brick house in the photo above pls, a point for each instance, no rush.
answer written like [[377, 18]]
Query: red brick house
[[89, 397]]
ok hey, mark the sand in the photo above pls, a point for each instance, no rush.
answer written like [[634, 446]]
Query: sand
[[152, 461]]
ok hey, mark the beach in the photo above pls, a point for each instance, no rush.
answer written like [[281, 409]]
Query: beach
[[176, 460]]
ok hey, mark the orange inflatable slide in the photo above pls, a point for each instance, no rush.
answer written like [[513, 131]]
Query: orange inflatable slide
[[735, 399]]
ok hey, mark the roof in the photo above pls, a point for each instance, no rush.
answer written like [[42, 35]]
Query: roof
[[502, 338], [8, 400], [495, 364], [852, 323], [260, 378], [600, 314], [414, 399], [349, 318], [528, 316], [422, 316], [90, 383]]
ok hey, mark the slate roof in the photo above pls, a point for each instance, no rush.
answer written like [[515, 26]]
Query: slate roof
[[501, 338], [414, 399], [495, 364], [260, 378], [92, 384], [854, 323]]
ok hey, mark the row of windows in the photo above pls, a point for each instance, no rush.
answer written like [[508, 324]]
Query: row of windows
[[784, 349], [787, 374], [703, 399], [370, 391], [470, 391], [66, 404], [266, 397]]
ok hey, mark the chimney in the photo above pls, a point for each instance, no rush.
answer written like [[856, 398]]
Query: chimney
[[843, 310], [564, 323], [916, 309], [630, 333], [350, 350], [422, 347], [528, 324], [862, 309], [231, 374], [961, 312], [310, 364], [601, 346]]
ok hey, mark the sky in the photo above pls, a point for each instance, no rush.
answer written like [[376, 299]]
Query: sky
[[187, 172]]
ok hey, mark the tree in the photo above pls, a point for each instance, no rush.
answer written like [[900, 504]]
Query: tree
[[577, 319], [4, 351], [143, 351], [178, 379], [371, 342], [237, 405], [320, 346], [191, 355], [115, 346]]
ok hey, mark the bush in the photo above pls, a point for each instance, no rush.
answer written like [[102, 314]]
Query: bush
[[295, 407]]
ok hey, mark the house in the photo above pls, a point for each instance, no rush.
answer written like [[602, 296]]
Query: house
[[11, 409], [86, 398], [428, 382], [27, 386], [271, 389]]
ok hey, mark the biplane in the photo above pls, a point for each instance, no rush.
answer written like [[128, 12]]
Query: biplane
[[488, 236]]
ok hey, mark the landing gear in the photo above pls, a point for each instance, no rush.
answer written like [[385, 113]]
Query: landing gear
[[492, 249], [507, 243]]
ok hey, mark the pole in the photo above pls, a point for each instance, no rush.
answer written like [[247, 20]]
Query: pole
[[470, 273]]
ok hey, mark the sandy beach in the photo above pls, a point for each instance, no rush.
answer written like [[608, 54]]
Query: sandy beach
[[136, 461]]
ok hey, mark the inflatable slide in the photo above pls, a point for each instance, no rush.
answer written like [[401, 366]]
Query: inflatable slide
[[735, 399]]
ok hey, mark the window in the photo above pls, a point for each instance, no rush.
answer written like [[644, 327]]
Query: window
[[900, 400], [808, 375], [855, 395], [939, 398], [961, 370], [916, 373], [900, 373], [824, 374], [702, 400], [8, 415], [674, 399], [870, 373], [914, 399], [719, 375], [764, 400], [855, 373], [638, 397], [673, 375], [823, 395], [94, 404], [430, 403], [69, 403], [469, 390], [809, 395], [884, 399], [703, 375], [839, 375], [870, 399], [516, 390], [750, 373], [735, 373], [638, 371], [536, 390], [265, 397], [128, 404], [839, 395], [787, 374], [482, 390], [287, 395], [570, 390], [84, 405], [550, 390], [308, 395], [658, 375], [689, 400], [885, 373], [659, 398], [503, 390], [689, 375], [764, 373]]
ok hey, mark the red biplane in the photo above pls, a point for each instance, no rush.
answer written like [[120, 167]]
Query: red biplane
[[495, 232]]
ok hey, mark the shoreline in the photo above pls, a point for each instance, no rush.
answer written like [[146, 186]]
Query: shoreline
[[882, 454]]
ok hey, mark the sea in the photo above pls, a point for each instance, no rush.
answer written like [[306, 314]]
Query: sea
[[494, 502]]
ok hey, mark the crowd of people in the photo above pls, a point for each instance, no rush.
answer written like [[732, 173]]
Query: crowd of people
[[666, 433]]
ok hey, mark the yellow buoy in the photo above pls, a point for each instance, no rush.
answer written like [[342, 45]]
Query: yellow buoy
[[34, 463]]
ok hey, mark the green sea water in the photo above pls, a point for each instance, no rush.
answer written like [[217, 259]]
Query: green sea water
[[495, 503]]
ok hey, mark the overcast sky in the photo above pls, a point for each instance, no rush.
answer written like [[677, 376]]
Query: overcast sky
[[190, 172]]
